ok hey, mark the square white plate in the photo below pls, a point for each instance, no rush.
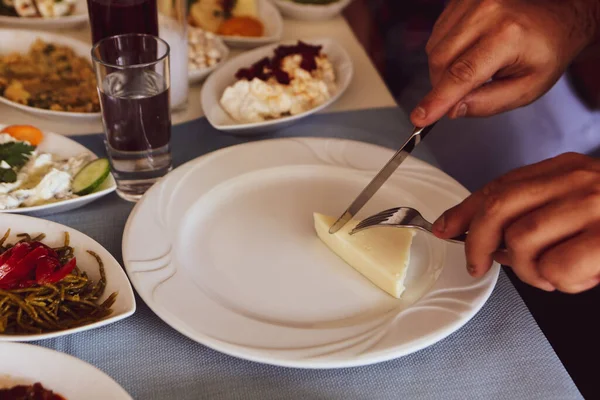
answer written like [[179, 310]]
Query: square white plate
[[217, 83], [64, 147], [116, 279]]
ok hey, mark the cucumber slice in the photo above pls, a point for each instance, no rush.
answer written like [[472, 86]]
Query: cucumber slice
[[91, 176]]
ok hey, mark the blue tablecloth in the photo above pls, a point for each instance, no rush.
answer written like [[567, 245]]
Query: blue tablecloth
[[500, 354]]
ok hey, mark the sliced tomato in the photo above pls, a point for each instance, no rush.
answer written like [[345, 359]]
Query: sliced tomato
[[59, 273], [10, 261]]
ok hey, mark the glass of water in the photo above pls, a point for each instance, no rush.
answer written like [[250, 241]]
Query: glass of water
[[133, 83]]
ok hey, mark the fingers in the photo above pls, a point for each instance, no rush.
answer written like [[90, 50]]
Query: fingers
[[573, 266], [530, 235], [535, 209], [452, 14], [447, 44], [455, 43], [498, 96], [468, 72], [458, 219], [501, 208]]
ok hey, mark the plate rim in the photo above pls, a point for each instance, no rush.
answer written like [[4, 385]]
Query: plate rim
[[46, 207], [237, 351], [253, 126], [311, 12], [245, 41], [75, 361], [98, 324]]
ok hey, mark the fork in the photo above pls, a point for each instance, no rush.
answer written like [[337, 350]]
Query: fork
[[401, 217]]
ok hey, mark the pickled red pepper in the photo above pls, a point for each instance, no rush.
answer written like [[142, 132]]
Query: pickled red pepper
[[27, 264]]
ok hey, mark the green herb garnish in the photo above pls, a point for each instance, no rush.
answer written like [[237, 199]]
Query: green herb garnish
[[15, 154]]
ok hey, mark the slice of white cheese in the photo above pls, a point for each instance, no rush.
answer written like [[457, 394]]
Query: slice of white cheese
[[382, 255]]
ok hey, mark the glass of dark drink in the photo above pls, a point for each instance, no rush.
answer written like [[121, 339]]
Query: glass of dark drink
[[117, 17], [133, 83]]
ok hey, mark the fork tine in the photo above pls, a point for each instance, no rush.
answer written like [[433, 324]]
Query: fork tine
[[377, 218], [380, 216], [371, 222]]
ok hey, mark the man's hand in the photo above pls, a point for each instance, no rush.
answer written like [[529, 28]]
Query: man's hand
[[547, 214], [490, 56]]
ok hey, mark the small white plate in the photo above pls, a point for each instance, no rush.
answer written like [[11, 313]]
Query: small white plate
[[64, 147], [217, 83], [116, 279], [75, 20], [199, 75], [272, 21], [14, 40], [311, 12], [67, 376], [223, 249]]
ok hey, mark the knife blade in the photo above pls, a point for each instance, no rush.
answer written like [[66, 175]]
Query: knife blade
[[369, 191]]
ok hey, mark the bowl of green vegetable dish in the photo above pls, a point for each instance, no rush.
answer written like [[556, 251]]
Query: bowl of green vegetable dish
[[311, 10]]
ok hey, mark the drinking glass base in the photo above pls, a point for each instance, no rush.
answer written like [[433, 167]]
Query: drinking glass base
[[133, 190]]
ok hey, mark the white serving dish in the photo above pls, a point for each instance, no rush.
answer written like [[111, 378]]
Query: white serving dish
[[311, 12], [116, 279], [14, 40], [272, 21], [75, 20], [199, 75], [64, 147], [225, 76], [67, 376]]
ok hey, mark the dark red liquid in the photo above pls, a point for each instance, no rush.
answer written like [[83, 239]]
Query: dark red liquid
[[117, 17], [137, 119], [34, 392]]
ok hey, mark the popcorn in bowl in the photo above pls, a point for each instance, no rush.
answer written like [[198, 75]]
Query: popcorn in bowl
[[203, 49]]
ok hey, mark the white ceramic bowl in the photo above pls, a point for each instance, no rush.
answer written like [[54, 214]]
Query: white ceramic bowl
[[217, 83], [75, 20], [311, 12], [24, 364], [12, 40], [199, 75], [64, 147], [116, 279], [271, 18]]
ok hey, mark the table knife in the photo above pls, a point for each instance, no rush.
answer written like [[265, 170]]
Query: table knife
[[369, 191]]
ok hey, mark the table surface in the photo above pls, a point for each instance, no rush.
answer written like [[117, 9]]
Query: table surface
[[501, 353], [367, 89]]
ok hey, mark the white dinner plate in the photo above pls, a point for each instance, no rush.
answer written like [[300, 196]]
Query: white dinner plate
[[272, 21], [67, 376], [224, 251], [311, 12], [116, 279], [75, 20], [216, 84], [199, 75], [64, 147], [16, 40]]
